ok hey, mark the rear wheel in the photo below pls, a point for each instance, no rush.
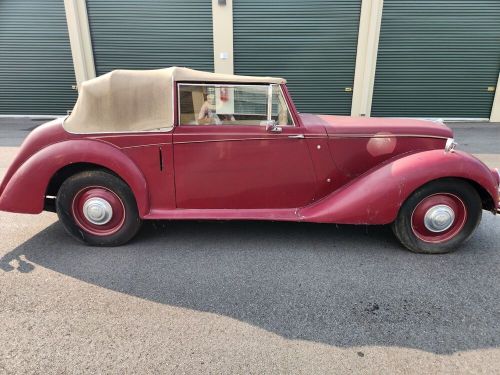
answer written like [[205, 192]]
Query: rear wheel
[[438, 217], [98, 208]]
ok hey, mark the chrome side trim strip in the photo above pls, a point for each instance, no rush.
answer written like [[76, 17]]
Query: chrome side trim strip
[[385, 136], [145, 145], [284, 137]]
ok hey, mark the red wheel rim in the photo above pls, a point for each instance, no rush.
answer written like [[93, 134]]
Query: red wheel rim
[[438, 218], [98, 210]]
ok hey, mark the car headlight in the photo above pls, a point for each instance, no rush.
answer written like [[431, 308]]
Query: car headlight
[[450, 145]]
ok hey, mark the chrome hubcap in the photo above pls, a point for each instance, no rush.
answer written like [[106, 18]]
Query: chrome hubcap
[[439, 218], [98, 211]]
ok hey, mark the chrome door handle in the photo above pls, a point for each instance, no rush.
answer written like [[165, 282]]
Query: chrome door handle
[[297, 136]]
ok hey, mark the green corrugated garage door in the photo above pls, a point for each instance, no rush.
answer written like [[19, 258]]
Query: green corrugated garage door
[[36, 69], [310, 43], [437, 58], [150, 34]]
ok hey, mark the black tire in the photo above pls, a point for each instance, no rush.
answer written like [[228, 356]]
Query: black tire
[[124, 221], [413, 235]]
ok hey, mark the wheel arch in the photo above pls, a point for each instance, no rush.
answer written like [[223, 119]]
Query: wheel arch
[[42, 173], [487, 201], [376, 196], [63, 174]]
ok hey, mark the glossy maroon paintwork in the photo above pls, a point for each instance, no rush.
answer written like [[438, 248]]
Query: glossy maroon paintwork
[[343, 170]]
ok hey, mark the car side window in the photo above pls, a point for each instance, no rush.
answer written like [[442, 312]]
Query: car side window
[[218, 104], [280, 112]]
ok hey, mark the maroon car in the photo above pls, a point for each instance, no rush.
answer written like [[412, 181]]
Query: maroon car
[[182, 144]]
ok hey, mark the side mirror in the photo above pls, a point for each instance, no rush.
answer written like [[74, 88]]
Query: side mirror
[[272, 127]]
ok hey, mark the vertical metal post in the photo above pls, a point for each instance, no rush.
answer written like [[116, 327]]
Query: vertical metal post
[[79, 38], [269, 103], [366, 56], [495, 110], [222, 24]]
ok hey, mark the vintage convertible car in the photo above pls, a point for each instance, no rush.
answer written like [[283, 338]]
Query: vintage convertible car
[[183, 144]]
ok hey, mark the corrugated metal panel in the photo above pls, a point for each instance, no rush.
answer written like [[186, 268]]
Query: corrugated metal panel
[[310, 43], [436, 58], [150, 34], [36, 69]]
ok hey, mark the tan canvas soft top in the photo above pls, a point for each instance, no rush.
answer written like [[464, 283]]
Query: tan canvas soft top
[[138, 100]]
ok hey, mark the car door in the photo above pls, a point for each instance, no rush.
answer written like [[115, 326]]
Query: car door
[[226, 158]]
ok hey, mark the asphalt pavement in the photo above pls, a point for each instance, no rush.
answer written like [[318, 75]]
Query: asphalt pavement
[[246, 297]]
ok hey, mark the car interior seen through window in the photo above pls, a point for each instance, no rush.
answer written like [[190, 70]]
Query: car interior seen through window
[[214, 104]]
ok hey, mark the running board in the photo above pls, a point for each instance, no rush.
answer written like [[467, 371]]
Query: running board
[[278, 214]]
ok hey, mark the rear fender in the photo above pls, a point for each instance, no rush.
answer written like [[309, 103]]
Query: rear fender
[[26, 188], [376, 196]]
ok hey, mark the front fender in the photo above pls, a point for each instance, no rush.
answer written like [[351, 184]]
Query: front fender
[[376, 196], [25, 191]]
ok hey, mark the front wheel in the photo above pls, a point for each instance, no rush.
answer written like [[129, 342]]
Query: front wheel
[[438, 217], [98, 208]]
